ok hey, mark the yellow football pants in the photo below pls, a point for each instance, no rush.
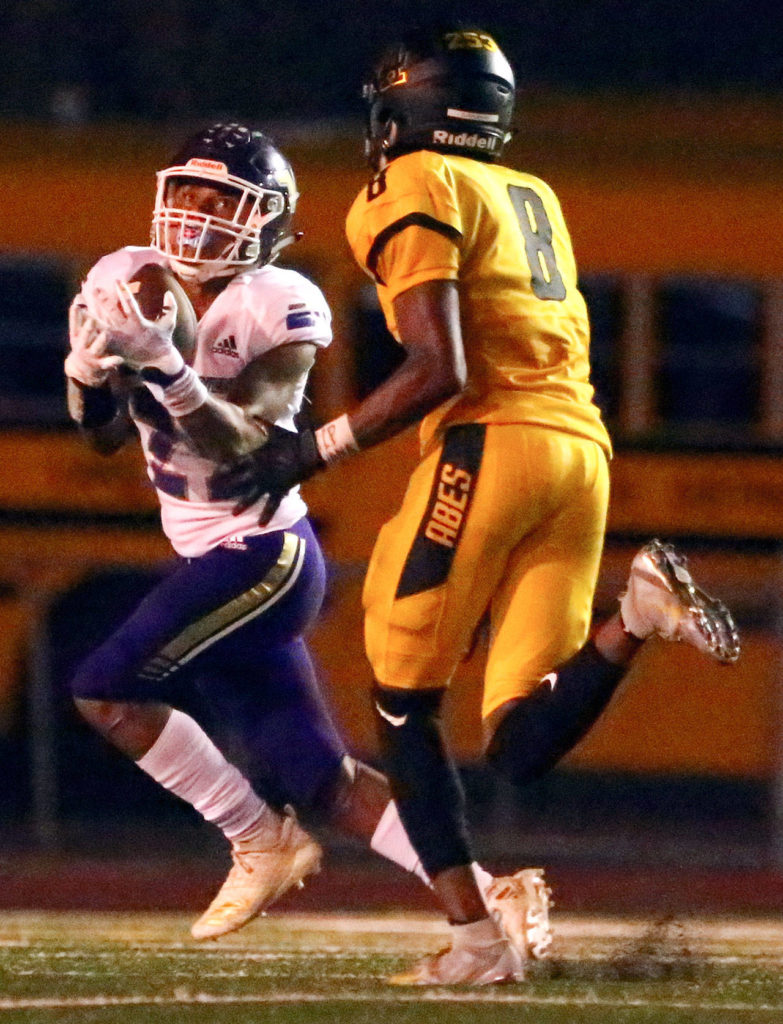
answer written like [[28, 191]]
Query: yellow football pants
[[504, 518]]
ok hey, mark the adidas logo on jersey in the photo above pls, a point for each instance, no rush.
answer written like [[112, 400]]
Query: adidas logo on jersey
[[226, 347]]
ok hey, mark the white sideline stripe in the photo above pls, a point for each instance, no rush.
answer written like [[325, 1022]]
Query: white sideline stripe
[[570, 926], [244, 955], [567, 926], [425, 996]]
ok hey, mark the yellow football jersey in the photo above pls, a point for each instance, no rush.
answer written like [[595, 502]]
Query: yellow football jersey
[[502, 235]]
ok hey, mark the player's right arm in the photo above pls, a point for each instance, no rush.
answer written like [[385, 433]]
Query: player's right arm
[[93, 387], [428, 326], [415, 253], [406, 230]]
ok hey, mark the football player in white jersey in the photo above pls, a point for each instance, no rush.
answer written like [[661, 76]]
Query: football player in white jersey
[[229, 619]]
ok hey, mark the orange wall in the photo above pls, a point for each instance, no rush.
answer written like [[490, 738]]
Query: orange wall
[[651, 185]]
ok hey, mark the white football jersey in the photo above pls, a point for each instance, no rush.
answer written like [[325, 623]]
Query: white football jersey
[[257, 311]]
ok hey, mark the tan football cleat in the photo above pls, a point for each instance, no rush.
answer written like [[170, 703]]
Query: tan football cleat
[[520, 904], [495, 964], [258, 878], [662, 598]]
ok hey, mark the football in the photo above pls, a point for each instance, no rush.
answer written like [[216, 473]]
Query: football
[[149, 284]]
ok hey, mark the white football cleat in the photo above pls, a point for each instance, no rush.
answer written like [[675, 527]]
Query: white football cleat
[[260, 876], [520, 904], [495, 964], [661, 598]]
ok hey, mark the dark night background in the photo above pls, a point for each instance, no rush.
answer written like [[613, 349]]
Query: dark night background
[[174, 59]]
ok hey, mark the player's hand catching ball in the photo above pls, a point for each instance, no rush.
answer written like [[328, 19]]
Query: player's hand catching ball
[[144, 343], [89, 361]]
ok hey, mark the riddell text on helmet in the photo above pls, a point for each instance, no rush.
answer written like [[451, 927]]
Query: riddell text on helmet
[[474, 141]]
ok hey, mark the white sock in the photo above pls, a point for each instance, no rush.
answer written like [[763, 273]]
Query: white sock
[[185, 761], [483, 878], [391, 841]]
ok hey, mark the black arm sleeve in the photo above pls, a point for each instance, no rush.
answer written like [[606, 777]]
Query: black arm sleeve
[[90, 407]]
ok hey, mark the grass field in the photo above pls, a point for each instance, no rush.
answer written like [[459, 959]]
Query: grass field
[[145, 969]]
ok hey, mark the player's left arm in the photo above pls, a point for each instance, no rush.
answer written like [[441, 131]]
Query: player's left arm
[[225, 429], [426, 315]]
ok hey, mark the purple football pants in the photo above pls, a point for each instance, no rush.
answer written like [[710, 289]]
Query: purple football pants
[[229, 625]]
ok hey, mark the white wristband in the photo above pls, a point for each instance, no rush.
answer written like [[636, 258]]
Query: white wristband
[[182, 394], [335, 439]]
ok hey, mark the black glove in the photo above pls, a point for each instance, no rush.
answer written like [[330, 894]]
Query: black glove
[[285, 460]]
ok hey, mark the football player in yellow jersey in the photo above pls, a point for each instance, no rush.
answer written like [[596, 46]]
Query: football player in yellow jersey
[[505, 513]]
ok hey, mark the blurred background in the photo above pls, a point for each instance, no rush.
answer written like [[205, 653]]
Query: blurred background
[[660, 126]]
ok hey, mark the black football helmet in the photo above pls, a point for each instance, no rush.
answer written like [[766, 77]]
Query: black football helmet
[[452, 91], [248, 166]]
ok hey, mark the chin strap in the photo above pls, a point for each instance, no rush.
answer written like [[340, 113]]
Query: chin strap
[[206, 271], [283, 243]]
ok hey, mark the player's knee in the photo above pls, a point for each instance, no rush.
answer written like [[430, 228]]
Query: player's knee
[[106, 676], [103, 715], [541, 728], [395, 708], [132, 728], [528, 741], [408, 724]]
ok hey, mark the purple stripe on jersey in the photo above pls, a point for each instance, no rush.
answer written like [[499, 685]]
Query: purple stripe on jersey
[[173, 484], [296, 320]]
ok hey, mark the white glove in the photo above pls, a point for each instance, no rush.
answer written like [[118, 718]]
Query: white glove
[[142, 343], [88, 361]]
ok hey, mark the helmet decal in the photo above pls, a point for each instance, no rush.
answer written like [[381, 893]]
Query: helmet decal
[[216, 166], [397, 76], [469, 40]]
